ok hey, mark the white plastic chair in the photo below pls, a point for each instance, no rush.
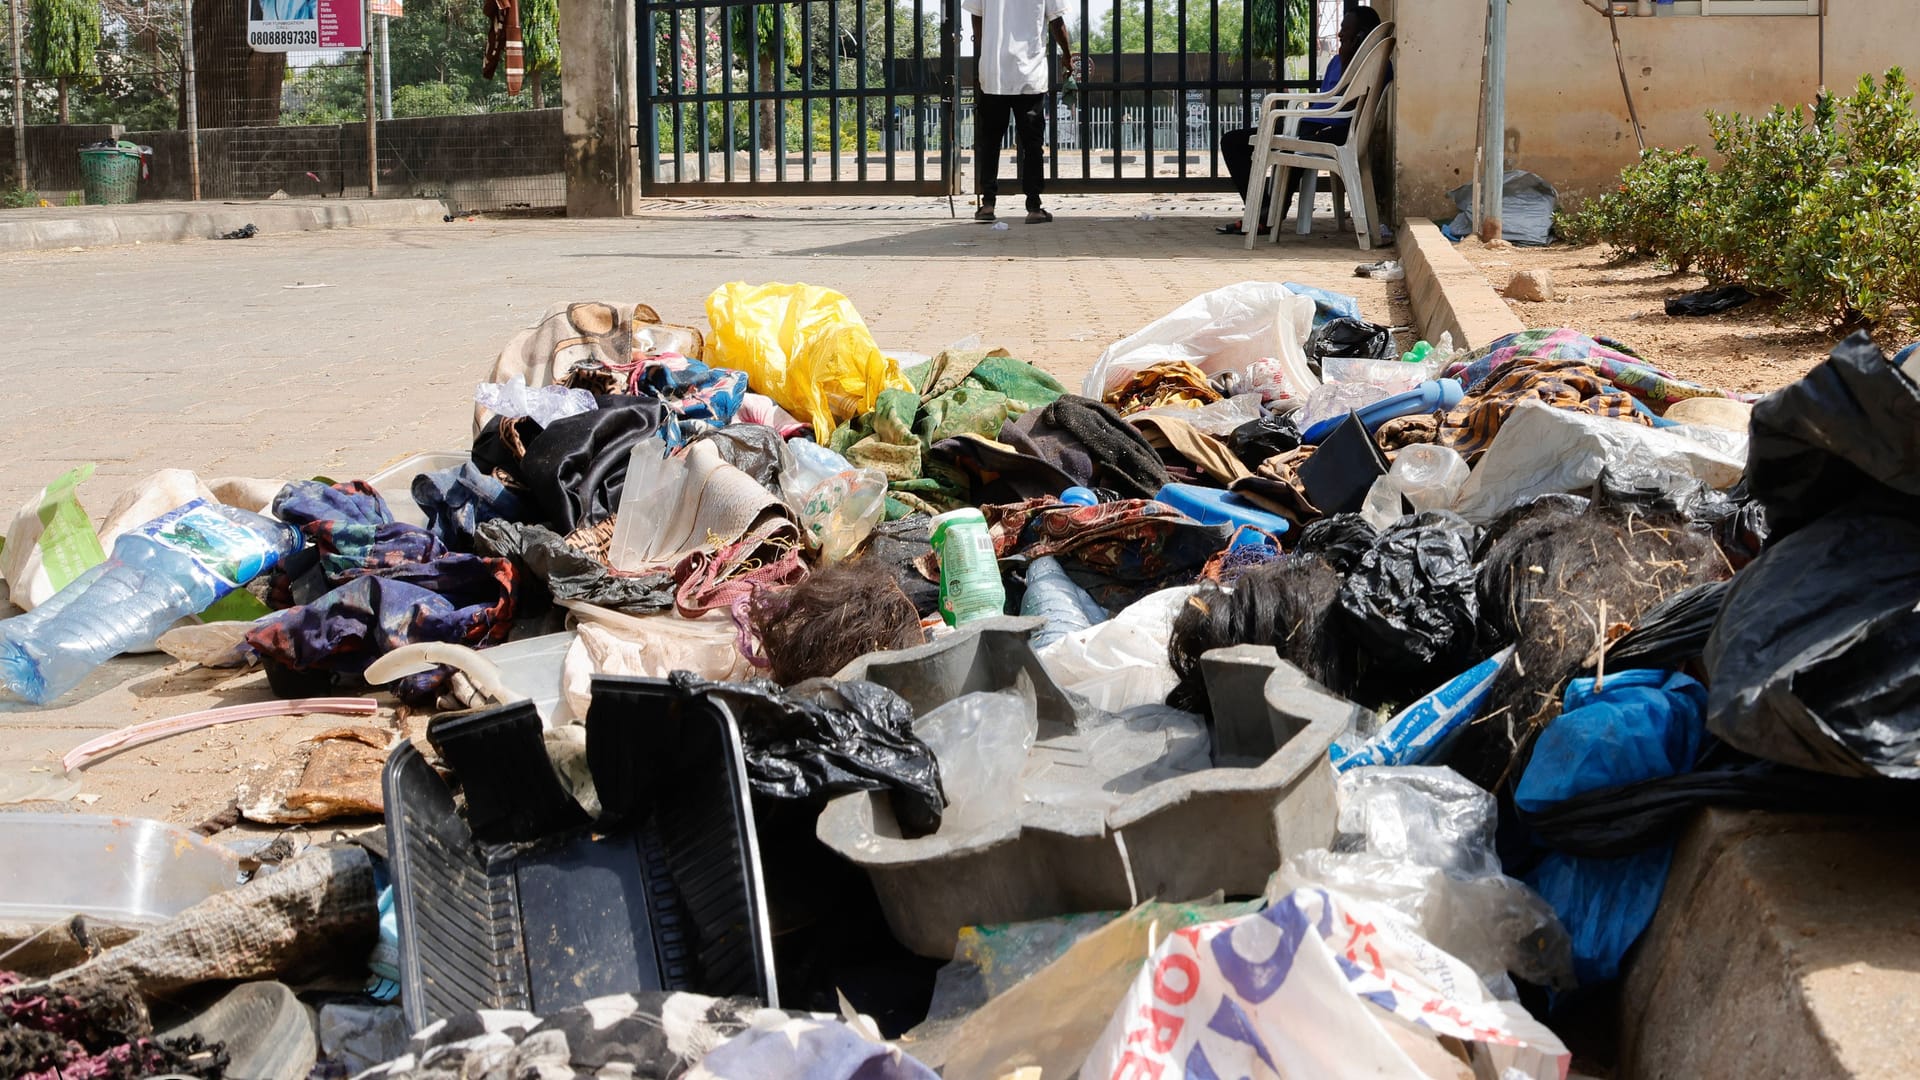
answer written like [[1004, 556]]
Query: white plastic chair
[[1277, 147], [1302, 98]]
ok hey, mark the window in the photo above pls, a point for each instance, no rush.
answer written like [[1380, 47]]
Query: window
[[1740, 7]]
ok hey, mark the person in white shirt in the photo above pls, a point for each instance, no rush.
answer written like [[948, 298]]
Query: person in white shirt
[[1010, 75]]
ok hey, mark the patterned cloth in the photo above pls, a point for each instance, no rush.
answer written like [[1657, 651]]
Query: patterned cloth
[[690, 390], [1136, 540], [1175, 382], [458, 501], [647, 1036], [1609, 360], [393, 584], [1470, 426]]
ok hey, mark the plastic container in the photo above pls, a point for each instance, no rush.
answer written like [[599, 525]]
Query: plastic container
[[1053, 596], [110, 175], [159, 573], [395, 482], [124, 872], [1213, 506], [970, 585], [1430, 396], [662, 893], [1079, 496], [649, 485]]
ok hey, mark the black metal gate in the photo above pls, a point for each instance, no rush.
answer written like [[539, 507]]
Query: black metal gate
[[804, 97], [796, 97]]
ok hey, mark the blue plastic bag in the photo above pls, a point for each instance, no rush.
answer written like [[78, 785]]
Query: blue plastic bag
[[1640, 725]]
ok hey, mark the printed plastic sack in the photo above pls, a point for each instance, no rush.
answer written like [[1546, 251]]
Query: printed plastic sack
[[1228, 329], [1419, 733], [50, 542], [803, 346], [1315, 985]]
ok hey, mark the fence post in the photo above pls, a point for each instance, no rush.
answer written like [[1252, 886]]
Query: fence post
[[19, 97], [193, 98], [373, 115]]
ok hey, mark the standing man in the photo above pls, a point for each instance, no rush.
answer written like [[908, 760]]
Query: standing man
[[1010, 75]]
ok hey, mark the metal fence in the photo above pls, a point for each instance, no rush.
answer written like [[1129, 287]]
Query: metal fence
[[1173, 127], [182, 75]]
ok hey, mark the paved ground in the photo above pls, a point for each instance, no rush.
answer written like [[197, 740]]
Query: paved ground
[[337, 353]]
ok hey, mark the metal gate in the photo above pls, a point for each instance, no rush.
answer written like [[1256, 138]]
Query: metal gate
[[796, 97], [805, 97]]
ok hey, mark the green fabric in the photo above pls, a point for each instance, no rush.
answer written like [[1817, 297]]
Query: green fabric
[[958, 392]]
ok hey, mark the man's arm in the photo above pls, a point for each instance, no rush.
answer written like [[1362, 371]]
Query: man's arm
[[1059, 28], [979, 36]]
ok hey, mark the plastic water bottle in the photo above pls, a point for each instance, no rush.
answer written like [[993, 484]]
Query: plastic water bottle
[[174, 566], [970, 585], [1055, 597]]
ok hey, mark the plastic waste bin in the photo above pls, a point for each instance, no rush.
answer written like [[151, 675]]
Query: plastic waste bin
[[110, 173]]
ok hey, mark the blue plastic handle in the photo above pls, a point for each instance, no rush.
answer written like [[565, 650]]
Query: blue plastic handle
[[1430, 396]]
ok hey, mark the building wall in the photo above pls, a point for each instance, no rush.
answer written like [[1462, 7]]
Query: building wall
[[1566, 117]]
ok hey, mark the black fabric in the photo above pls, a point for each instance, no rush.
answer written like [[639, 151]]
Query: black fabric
[[1088, 441], [823, 738], [1257, 440], [754, 449], [1849, 429], [577, 467], [898, 544], [564, 573], [1709, 301], [1029, 115]]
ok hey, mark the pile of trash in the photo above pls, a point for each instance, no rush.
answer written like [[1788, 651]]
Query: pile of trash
[[787, 706]]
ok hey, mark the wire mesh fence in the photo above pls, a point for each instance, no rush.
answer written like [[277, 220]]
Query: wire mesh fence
[[271, 122]]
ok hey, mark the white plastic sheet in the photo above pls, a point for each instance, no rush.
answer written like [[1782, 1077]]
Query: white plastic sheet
[[1120, 663], [1228, 329], [1541, 450]]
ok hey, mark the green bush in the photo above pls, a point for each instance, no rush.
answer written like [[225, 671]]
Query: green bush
[[1819, 207]]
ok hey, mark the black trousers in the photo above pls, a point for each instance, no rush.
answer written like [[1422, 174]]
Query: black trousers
[[1029, 113], [1237, 148]]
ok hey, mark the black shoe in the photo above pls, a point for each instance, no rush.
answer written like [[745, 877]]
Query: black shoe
[[985, 213], [1038, 217]]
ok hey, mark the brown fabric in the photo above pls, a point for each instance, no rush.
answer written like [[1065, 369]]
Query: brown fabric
[[1176, 382], [591, 334], [1470, 426], [1276, 486], [1203, 451], [1406, 431]]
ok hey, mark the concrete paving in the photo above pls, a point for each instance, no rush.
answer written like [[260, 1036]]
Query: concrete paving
[[57, 227], [336, 353]]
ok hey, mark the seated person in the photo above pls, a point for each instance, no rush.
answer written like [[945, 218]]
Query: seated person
[[1237, 146]]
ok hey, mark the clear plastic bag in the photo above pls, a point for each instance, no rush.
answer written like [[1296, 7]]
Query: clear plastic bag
[[1428, 476], [1393, 376], [840, 512], [1236, 328], [1335, 399], [1428, 816], [981, 742], [544, 405]]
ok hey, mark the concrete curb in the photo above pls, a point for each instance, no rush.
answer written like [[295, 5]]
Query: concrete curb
[[208, 221], [1448, 294]]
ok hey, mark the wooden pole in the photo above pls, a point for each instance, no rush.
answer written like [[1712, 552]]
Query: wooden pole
[[19, 97], [193, 98]]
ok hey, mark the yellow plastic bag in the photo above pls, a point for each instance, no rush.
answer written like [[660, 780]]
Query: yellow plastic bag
[[803, 346]]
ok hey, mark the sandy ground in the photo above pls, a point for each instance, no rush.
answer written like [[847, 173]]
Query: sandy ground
[[1745, 350]]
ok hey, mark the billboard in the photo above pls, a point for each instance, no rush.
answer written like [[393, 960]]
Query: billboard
[[305, 25]]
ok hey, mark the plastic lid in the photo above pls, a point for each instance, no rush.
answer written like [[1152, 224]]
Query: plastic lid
[[965, 513]]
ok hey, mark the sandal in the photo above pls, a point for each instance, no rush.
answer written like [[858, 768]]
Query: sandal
[[1038, 217], [985, 213]]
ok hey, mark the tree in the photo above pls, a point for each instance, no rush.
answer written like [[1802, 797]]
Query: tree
[[63, 37], [540, 32], [1239, 26], [752, 36], [233, 85]]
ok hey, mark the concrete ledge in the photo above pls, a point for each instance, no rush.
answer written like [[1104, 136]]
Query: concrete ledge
[[156, 223], [1785, 945], [1447, 293]]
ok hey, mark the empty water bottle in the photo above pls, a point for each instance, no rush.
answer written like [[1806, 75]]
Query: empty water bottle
[[1053, 595], [167, 569]]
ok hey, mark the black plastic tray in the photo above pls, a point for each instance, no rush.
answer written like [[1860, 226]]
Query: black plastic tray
[[662, 893]]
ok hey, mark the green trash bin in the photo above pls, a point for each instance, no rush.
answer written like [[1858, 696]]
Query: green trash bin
[[110, 175]]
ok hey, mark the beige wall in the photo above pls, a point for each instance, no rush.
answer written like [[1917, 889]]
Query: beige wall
[[1566, 117]]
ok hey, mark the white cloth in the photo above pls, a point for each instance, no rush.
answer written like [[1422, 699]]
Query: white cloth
[[1012, 52]]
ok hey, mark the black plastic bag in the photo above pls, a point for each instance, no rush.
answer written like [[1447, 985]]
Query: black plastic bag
[[1812, 661], [1257, 440], [1411, 604], [1340, 539], [1709, 301], [824, 738], [1671, 633], [1736, 521], [1850, 429], [1345, 337]]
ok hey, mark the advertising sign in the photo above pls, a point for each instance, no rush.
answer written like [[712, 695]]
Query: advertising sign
[[305, 25]]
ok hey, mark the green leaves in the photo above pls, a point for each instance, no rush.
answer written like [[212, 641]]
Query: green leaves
[[63, 37], [1819, 207]]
